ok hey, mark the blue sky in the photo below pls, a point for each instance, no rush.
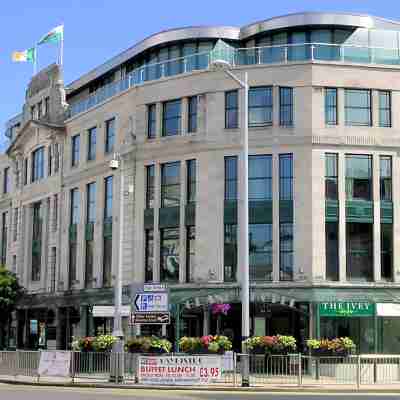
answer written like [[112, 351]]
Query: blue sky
[[97, 30]]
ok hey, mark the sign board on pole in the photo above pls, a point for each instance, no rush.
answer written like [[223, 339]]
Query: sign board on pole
[[155, 287], [108, 311], [151, 302], [179, 370], [163, 318], [54, 363]]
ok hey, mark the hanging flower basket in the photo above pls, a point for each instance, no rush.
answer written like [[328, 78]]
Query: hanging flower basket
[[220, 309]]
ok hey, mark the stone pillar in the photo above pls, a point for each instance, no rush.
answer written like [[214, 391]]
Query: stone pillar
[[396, 216], [157, 205], [342, 216], [275, 217], [184, 114], [377, 217], [182, 227]]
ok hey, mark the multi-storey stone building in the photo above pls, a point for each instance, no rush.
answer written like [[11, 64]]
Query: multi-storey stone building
[[324, 175]]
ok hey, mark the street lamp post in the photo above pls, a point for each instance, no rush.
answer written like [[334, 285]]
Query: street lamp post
[[243, 211]]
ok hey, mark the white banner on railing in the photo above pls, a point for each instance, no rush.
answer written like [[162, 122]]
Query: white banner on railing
[[54, 363], [179, 369]]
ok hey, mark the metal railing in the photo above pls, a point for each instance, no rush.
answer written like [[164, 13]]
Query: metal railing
[[291, 369], [239, 57]]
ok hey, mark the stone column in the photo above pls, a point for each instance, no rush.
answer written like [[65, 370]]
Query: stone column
[[342, 216], [182, 227], [377, 217], [275, 217], [157, 205]]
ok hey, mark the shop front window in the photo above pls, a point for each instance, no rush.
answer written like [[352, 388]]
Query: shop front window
[[169, 255]]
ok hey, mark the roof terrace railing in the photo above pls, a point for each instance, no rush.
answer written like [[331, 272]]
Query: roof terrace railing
[[279, 54]]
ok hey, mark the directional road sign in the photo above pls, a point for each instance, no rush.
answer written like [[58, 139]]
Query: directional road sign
[[151, 302], [150, 318]]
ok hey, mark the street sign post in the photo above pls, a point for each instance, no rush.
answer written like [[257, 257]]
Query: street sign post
[[151, 318], [151, 302]]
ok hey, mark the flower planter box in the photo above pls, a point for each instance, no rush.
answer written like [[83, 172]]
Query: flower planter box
[[329, 353]]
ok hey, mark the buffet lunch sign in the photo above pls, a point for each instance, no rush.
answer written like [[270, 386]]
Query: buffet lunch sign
[[347, 309], [179, 370]]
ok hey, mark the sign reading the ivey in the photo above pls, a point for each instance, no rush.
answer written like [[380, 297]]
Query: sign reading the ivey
[[347, 309]]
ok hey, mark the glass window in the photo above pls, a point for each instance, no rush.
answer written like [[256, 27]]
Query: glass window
[[56, 158], [75, 151], [170, 184], [260, 106], [359, 238], [91, 203], [190, 61], [4, 230], [286, 251], [89, 253], [149, 255], [260, 177], [150, 171], [25, 171], [331, 176], [110, 135], [73, 249], [331, 106], [332, 251], [285, 177], [15, 227], [298, 50], [285, 106], [108, 198], [386, 178], [231, 109], [357, 107], [6, 180], [46, 105], [37, 241], [49, 160], [38, 164], [151, 121], [260, 252], [385, 108], [231, 178], [358, 177], [387, 252], [91, 155], [175, 65], [191, 180], [230, 252], [192, 115], [169, 254], [190, 252], [107, 261], [172, 118], [75, 209]]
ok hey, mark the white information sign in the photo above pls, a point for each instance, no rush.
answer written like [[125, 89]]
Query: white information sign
[[54, 363], [108, 311], [179, 370], [388, 310], [152, 302]]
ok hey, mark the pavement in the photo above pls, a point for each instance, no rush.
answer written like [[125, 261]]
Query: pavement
[[127, 386], [18, 392]]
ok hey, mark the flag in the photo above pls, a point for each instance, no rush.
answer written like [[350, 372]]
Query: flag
[[56, 35], [24, 56]]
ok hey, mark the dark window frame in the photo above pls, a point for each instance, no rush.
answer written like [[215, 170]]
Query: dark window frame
[[232, 108], [267, 178], [286, 178], [269, 94], [331, 108], [174, 117], [286, 108], [91, 143], [151, 121], [228, 179], [192, 114], [75, 150], [110, 136], [383, 109], [191, 172], [348, 108], [150, 185], [37, 172], [108, 198], [386, 182], [165, 186], [331, 181]]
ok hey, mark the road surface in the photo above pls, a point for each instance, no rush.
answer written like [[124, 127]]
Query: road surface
[[14, 392]]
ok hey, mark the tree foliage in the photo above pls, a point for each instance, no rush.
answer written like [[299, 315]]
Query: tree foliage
[[10, 291]]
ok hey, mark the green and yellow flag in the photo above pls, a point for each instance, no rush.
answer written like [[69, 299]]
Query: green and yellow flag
[[24, 56]]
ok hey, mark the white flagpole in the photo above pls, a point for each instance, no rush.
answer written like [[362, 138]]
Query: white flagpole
[[35, 60], [62, 48]]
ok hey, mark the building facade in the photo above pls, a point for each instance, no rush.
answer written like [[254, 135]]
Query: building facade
[[324, 173]]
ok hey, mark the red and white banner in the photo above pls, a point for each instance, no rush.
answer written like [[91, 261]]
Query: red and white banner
[[179, 369]]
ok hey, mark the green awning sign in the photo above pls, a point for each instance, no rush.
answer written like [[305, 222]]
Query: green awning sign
[[347, 309]]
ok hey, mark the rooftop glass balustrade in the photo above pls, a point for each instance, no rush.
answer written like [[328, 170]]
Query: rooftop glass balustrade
[[281, 54]]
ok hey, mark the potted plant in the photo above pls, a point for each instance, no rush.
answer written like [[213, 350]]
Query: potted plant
[[339, 347], [148, 344], [208, 344], [279, 344]]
